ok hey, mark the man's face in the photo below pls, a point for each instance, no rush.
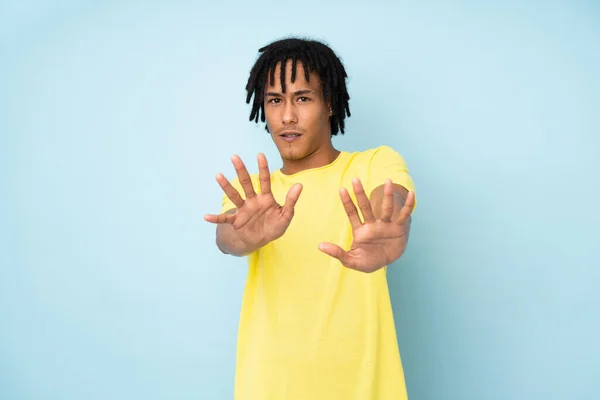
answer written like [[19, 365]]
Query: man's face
[[298, 119]]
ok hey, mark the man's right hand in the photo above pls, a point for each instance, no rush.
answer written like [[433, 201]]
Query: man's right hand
[[258, 219]]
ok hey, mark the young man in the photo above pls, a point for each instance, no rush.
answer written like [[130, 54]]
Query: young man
[[316, 320]]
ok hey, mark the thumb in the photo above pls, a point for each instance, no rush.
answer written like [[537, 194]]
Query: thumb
[[334, 251]]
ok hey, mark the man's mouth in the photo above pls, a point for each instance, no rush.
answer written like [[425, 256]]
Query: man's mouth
[[290, 136]]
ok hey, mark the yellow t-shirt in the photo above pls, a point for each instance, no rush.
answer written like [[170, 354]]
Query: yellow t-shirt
[[310, 328]]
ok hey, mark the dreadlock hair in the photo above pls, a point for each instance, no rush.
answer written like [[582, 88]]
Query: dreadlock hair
[[314, 56]]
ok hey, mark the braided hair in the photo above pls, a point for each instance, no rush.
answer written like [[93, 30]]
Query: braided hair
[[314, 56]]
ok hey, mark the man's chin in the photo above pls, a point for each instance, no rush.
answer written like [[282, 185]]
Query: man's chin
[[290, 153]]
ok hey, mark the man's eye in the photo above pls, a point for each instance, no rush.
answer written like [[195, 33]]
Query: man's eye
[[303, 99], [274, 101]]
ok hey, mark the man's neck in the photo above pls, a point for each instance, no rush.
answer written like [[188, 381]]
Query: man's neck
[[320, 158]]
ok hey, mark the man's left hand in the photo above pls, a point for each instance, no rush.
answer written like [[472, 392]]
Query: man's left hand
[[377, 241]]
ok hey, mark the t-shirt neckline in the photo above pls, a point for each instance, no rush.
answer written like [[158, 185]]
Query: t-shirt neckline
[[316, 169]]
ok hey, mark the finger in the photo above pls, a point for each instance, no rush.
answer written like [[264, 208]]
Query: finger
[[291, 199], [243, 176], [220, 218], [350, 209], [230, 191], [407, 209], [387, 206], [334, 251], [363, 201], [263, 174]]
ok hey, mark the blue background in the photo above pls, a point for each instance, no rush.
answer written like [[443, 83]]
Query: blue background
[[115, 118]]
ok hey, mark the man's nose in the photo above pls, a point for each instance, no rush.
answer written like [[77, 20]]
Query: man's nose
[[289, 114]]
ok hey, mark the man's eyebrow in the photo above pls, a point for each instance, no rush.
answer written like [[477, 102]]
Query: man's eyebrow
[[301, 92], [296, 93]]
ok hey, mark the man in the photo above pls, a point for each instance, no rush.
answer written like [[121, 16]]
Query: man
[[316, 320]]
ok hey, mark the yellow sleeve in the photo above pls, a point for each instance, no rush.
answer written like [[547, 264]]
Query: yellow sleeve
[[226, 204], [386, 163]]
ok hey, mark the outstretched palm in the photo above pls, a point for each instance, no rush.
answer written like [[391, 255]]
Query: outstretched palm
[[258, 219], [376, 242]]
